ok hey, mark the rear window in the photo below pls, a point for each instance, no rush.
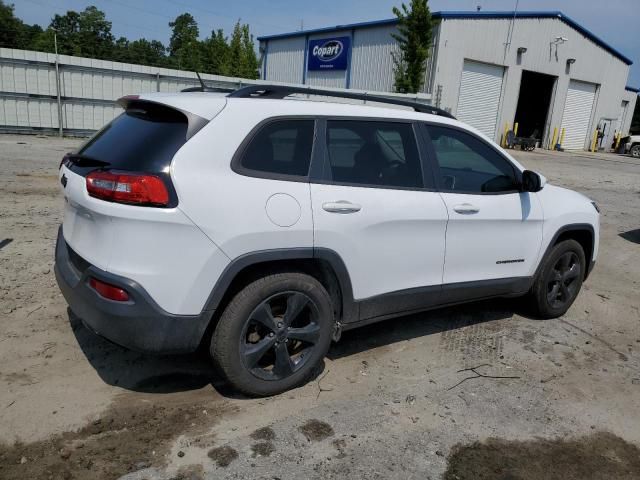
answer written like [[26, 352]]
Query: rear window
[[280, 148], [144, 139]]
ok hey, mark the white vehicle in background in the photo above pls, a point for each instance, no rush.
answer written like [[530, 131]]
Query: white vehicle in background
[[262, 226], [632, 145]]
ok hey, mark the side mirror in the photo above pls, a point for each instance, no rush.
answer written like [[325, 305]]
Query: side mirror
[[532, 182]]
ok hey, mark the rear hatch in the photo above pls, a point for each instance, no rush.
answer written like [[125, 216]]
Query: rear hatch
[[133, 152]]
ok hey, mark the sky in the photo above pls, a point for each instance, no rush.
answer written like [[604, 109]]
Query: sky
[[617, 22]]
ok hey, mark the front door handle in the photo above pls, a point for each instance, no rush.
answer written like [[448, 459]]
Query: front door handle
[[341, 206], [466, 209]]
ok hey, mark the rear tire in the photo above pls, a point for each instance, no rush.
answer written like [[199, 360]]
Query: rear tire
[[635, 151], [273, 334], [559, 280]]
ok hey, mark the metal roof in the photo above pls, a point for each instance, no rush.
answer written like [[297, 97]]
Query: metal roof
[[463, 15]]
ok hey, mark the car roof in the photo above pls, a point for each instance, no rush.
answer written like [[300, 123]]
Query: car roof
[[209, 104]]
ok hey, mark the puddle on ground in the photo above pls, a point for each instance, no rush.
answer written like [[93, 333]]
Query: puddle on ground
[[223, 456], [134, 432], [594, 457], [315, 430]]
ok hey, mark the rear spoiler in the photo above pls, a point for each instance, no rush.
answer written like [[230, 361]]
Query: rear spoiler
[[195, 123]]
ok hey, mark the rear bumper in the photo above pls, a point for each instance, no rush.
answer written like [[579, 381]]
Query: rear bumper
[[138, 324]]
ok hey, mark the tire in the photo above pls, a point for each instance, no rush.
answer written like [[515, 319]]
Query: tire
[[559, 280], [273, 334], [635, 151]]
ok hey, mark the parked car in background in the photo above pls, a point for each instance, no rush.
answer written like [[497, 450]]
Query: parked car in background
[[632, 145]]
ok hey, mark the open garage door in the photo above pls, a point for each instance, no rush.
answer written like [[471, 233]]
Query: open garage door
[[577, 113], [479, 99]]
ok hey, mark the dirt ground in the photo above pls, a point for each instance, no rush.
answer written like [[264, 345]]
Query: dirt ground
[[388, 402]]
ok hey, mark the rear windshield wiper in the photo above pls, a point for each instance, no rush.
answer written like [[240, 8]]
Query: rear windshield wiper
[[85, 161]]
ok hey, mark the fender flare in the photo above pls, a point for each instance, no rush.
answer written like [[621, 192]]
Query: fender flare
[[571, 227], [237, 265]]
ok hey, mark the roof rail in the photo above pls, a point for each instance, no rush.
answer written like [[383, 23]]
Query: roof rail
[[282, 91]]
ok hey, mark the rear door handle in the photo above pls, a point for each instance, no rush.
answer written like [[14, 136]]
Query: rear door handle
[[341, 206], [466, 209]]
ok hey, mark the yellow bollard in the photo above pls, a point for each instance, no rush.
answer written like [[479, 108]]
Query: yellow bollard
[[515, 130], [562, 137], [594, 141], [618, 138], [504, 135], [554, 138]]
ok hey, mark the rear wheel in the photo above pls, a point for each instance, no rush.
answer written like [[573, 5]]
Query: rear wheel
[[635, 151], [273, 334], [560, 279]]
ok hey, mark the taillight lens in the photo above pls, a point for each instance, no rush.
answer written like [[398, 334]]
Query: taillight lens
[[132, 188], [109, 291]]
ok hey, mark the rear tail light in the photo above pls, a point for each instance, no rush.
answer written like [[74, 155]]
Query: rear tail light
[[108, 291], [131, 188]]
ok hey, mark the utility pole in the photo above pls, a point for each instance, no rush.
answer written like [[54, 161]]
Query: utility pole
[[55, 46]]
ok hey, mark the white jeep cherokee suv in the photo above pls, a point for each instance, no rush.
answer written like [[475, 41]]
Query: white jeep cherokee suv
[[262, 226]]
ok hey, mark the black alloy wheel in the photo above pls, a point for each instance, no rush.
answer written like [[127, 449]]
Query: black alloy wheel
[[280, 335], [274, 333], [562, 280]]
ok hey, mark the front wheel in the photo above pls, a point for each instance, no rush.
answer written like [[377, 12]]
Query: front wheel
[[273, 334], [635, 151], [559, 280]]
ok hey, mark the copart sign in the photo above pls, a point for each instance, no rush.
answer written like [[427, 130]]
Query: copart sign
[[328, 53]]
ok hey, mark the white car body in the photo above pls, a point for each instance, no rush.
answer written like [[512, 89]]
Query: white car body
[[390, 241]]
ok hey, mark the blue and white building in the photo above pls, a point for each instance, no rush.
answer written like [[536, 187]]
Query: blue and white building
[[490, 69]]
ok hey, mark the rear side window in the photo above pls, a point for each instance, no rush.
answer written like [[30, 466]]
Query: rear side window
[[373, 153], [281, 147], [469, 165], [143, 139]]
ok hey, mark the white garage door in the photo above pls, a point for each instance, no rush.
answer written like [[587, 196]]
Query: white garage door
[[479, 98], [577, 113]]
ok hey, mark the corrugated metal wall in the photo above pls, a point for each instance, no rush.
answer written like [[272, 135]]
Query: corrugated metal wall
[[483, 40], [285, 60], [89, 89], [371, 60]]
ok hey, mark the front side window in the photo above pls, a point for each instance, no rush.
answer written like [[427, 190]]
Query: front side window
[[469, 165], [282, 147], [373, 153]]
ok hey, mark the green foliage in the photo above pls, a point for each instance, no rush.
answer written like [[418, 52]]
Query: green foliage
[[88, 34], [216, 54], [13, 32], [415, 32]]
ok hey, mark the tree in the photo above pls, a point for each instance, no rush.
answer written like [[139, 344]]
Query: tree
[[215, 54], [140, 51], [94, 33], [415, 32], [184, 47], [242, 56], [250, 59], [14, 33], [83, 34], [236, 52]]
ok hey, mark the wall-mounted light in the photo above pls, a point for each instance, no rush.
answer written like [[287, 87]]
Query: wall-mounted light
[[571, 61], [522, 50]]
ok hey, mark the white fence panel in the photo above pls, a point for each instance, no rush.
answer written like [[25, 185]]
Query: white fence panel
[[89, 89]]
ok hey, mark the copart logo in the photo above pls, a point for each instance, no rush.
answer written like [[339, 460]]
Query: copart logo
[[328, 51]]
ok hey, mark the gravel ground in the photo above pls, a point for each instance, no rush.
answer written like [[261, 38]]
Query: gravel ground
[[388, 403]]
